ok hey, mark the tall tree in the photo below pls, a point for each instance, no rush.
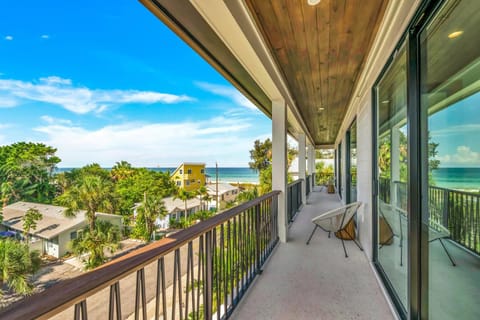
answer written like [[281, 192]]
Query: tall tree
[[184, 195], [94, 242], [17, 263], [122, 170], [151, 208], [91, 193], [261, 156], [25, 172], [30, 221]]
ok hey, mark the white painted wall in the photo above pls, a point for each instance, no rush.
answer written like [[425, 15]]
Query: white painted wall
[[364, 175]]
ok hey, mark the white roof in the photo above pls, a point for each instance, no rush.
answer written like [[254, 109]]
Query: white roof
[[222, 188], [52, 224], [173, 205]]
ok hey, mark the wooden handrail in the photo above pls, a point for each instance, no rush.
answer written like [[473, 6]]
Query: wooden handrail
[[69, 292]]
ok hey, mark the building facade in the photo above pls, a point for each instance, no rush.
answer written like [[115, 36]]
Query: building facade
[[189, 176]]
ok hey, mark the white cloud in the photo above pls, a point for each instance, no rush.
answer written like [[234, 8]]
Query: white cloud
[[79, 99], [8, 38], [5, 126], [53, 120], [464, 156], [453, 130], [8, 102], [228, 92], [44, 36], [165, 144]]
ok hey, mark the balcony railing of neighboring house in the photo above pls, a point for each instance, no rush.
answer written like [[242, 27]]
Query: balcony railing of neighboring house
[[199, 272], [294, 199], [458, 211]]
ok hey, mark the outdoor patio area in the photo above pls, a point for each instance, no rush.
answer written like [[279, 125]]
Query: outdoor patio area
[[315, 281]]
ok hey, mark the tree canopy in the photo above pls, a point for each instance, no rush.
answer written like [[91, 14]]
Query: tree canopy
[[25, 172]]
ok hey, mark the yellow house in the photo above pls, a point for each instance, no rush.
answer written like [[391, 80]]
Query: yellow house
[[189, 176]]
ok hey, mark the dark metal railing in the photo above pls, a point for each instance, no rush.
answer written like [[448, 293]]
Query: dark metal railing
[[458, 211], [294, 199], [198, 273]]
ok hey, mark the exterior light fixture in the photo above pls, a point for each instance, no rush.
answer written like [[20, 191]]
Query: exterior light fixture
[[455, 34], [313, 2]]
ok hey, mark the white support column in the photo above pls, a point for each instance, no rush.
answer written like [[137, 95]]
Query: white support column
[[279, 163], [311, 164], [302, 154]]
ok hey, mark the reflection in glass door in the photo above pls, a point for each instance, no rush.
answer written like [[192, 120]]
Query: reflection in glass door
[[392, 177], [450, 105], [352, 163]]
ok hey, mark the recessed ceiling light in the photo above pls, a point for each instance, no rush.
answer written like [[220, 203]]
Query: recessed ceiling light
[[385, 101], [455, 34], [321, 109], [313, 2]]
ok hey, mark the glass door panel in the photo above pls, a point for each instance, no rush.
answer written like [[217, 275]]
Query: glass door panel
[[450, 104], [392, 176]]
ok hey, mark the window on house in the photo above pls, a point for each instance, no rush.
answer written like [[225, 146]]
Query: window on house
[[179, 183], [188, 182], [181, 171], [189, 171], [202, 171], [73, 235]]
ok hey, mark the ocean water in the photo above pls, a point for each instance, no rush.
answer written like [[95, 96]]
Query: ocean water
[[457, 178], [232, 175]]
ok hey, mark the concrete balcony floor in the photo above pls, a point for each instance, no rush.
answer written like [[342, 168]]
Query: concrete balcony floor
[[315, 281]]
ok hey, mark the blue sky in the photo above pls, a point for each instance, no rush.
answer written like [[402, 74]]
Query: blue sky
[[456, 130], [105, 81]]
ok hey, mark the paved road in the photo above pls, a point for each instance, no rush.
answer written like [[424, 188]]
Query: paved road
[[98, 304]]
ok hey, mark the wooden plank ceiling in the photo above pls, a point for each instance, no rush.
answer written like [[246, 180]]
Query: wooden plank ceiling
[[321, 51]]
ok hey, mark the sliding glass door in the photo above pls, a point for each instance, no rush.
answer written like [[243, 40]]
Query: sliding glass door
[[351, 171], [392, 176], [427, 165], [450, 120]]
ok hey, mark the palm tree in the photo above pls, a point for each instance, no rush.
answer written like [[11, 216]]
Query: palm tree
[[202, 192], [121, 170], [30, 221], [16, 264], [184, 195], [91, 194], [105, 236], [248, 195], [151, 208]]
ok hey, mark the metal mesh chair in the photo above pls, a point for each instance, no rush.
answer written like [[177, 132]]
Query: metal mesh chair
[[336, 220]]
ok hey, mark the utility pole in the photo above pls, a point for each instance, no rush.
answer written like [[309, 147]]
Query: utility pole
[[216, 185]]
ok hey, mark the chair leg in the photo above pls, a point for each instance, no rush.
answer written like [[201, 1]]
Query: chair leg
[[329, 232], [448, 254], [310, 238], [344, 249], [354, 240]]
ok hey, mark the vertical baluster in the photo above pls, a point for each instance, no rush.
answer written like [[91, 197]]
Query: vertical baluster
[[208, 281], [258, 239], [230, 252], [115, 299], [190, 280], [215, 274], [223, 254], [235, 255], [140, 295], [81, 307], [201, 275], [177, 279], [160, 290]]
